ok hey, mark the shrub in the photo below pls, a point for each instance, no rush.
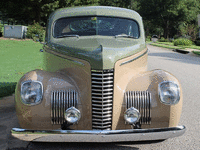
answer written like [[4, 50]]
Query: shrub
[[1, 29], [182, 41], [176, 36], [197, 42], [7, 89], [36, 31], [148, 38], [163, 40]]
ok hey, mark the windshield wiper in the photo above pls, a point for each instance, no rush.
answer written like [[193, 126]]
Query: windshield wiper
[[124, 35], [68, 35]]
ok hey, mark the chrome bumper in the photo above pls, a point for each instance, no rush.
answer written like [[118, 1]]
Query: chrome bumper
[[98, 135]]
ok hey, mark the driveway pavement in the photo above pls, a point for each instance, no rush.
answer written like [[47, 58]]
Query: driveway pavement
[[8, 120]]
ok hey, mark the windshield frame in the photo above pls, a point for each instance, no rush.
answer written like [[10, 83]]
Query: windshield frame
[[53, 27]]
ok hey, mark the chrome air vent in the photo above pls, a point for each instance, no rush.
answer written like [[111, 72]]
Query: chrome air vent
[[102, 99], [141, 100], [60, 101]]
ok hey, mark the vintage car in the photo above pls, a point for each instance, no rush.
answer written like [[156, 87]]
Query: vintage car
[[95, 86]]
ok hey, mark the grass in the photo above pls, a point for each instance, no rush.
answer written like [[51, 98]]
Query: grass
[[170, 45], [17, 58], [166, 43], [193, 47], [166, 46], [196, 52]]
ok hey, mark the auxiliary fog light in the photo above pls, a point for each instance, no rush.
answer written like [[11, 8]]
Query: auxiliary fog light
[[72, 115], [132, 115]]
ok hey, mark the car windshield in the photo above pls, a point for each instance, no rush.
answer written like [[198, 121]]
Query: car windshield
[[87, 26]]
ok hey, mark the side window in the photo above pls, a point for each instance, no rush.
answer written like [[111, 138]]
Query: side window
[[61, 27], [134, 29]]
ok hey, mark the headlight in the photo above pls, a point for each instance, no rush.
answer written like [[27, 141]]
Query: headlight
[[169, 92], [72, 115], [132, 115], [31, 92]]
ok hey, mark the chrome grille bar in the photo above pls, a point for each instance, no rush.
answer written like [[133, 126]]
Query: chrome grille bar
[[61, 100], [102, 99], [140, 100]]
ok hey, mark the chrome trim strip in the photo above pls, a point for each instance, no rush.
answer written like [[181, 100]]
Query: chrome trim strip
[[97, 135], [60, 55], [133, 58], [110, 78]]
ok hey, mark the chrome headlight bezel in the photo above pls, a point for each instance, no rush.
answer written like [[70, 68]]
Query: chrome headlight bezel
[[40, 97], [173, 88]]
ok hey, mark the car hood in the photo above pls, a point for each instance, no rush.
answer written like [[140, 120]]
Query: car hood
[[101, 52]]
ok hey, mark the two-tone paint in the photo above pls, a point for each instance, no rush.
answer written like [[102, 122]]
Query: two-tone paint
[[68, 63]]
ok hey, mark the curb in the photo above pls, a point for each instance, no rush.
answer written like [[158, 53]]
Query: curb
[[189, 51]]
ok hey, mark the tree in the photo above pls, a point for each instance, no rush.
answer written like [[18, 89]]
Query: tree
[[162, 13], [28, 10], [37, 10], [189, 27], [70, 3], [116, 3]]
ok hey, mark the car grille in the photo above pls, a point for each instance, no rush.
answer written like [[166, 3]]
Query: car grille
[[60, 101], [141, 100], [102, 99]]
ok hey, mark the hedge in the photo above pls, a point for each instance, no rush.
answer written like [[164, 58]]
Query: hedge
[[182, 41]]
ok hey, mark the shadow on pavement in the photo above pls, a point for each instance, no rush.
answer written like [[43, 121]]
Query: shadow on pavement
[[84, 146]]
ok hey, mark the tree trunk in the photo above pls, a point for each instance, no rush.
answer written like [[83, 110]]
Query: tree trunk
[[166, 30], [38, 13], [37, 10], [147, 31]]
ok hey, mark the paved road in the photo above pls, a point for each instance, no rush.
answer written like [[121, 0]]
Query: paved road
[[186, 67]]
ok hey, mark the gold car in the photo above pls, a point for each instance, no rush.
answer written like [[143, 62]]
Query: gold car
[[95, 86]]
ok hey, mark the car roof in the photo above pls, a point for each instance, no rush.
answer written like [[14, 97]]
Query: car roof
[[95, 11]]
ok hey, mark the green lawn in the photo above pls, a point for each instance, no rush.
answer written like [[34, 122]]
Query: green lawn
[[166, 45], [171, 45], [193, 47], [17, 58], [196, 52]]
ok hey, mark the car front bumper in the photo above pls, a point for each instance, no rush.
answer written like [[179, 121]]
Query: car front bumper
[[98, 135]]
